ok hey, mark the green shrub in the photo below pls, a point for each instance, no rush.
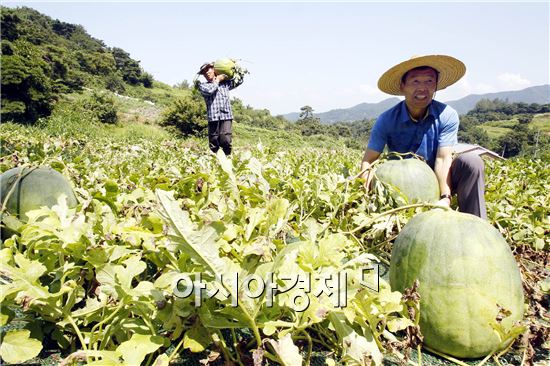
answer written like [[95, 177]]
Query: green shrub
[[103, 107], [187, 115]]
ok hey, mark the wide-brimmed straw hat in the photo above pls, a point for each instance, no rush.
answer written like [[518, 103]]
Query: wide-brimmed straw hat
[[450, 71], [205, 67]]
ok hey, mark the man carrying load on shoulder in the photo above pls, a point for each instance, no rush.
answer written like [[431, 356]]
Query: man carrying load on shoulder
[[215, 91], [428, 128]]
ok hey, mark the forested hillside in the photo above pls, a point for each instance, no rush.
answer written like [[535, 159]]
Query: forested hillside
[[509, 129], [43, 58]]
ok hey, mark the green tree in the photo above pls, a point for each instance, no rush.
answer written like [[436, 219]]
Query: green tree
[[27, 91], [10, 21], [474, 135], [129, 68], [306, 112], [183, 85], [514, 142], [147, 79], [525, 118], [114, 83]]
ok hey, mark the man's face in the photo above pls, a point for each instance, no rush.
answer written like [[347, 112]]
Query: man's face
[[209, 74], [419, 87]]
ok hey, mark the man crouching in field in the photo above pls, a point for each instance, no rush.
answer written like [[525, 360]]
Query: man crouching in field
[[428, 128], [215, 91]]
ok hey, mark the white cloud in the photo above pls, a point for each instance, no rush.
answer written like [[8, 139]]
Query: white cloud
[[503, 82], [509, 81], [463, 88]]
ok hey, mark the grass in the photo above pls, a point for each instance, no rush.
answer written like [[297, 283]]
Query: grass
[[496, 129], [138, 118], [161, 94], [541, 122], [508, 123], [247, 135], [495, 132]]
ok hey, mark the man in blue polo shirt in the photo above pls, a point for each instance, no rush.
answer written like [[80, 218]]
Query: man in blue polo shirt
[[428, 128]]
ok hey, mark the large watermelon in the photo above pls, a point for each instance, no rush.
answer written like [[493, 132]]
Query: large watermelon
[[32, 188], [225, 66], [466, 271], [411, 177]]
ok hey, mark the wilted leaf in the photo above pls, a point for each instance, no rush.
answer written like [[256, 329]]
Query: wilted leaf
[[287, 351]]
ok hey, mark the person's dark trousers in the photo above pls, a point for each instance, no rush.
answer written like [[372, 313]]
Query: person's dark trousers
[[468, 182], [219, 135]]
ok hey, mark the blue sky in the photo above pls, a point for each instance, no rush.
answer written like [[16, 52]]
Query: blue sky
[[323, 54]]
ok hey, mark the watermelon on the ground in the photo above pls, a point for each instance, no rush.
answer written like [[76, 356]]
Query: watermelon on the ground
[[25, 189], [468, 278]]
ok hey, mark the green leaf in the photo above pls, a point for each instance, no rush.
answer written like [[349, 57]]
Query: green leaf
[[6, 315], [111, 188], [133, 267], [11, 222], [17, 346], [136, 348], [196, 339], [200, 245], [24, 278]]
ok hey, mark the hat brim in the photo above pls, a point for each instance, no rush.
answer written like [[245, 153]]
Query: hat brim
[[204, 68], [450, 71]]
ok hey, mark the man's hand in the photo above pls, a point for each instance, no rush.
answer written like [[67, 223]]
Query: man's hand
[[221, 77], [366, 168], [367, 175]]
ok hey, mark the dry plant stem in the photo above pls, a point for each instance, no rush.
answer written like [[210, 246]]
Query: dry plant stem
[[392, 211], [524, 355], [402, 357]]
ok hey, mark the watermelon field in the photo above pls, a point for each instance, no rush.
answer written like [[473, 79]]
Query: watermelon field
[[286, 254]]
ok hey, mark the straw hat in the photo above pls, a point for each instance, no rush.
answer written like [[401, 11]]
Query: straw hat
[[450, 71]]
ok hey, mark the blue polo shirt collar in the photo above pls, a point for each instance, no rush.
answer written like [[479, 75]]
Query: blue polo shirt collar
[[404, 112]]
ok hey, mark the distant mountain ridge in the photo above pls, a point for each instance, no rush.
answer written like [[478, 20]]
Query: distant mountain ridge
[[535, 94], [355, 113]]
